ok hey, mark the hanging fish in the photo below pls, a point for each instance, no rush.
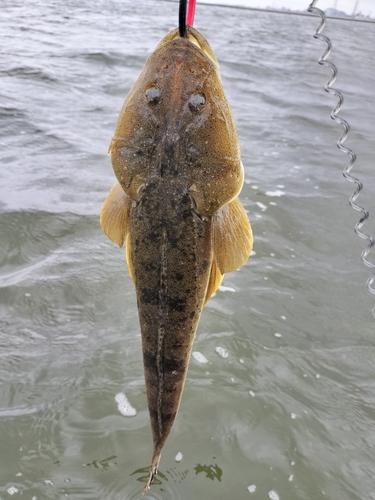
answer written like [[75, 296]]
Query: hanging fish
[[176, 156]]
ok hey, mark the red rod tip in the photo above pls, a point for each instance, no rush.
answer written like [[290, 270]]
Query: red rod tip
[[190, 12]]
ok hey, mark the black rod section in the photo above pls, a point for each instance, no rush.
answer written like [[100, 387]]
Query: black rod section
[[182, 18]]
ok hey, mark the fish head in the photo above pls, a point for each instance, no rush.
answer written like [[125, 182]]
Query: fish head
[[176, 123]]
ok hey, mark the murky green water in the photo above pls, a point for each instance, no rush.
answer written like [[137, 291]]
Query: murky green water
[[280, 392]]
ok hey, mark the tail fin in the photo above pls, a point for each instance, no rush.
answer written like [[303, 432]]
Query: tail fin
[[152, 471]]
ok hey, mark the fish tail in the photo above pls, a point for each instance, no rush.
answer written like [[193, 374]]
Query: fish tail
[[153, 470]]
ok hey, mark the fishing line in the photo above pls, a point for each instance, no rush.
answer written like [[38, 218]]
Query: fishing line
[[346, 172], [277, 11], [182, 19]]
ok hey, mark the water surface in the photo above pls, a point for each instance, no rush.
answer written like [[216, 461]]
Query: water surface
[[281, 390]]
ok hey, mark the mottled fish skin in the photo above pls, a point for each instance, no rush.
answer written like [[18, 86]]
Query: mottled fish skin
[[162, 118], [176, 156], [171, 273]]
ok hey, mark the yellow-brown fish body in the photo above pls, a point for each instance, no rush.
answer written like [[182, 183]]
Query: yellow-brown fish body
[[176, 156]]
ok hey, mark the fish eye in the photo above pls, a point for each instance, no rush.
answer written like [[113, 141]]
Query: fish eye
[[196, 102], [152, 95]]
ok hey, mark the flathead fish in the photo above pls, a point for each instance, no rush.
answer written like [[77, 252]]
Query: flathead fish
[[176, 157]]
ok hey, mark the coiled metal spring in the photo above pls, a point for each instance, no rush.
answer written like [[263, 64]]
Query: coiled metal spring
[[346, 172]]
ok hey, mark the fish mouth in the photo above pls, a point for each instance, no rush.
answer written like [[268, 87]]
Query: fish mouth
[[195, 38]]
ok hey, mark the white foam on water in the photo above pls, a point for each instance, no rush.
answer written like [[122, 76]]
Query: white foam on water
[[198, 356], [273, 495], [262, 206], [281, 186], [123, 405], [222, 352], [290, 478], [178, 457], [293, 416], [277, 334], [226, 289], [12, 490], [278, 192], [49, 482], [252, 394], [283, 317], [17, 412], [273, 203], [251, 488]]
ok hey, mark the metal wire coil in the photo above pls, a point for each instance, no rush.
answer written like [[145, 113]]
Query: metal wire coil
[[346, 172]]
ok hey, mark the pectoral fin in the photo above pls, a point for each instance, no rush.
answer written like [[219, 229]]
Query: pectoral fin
[[128, 258], [214, 281], [232, 237], [114, 215]]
